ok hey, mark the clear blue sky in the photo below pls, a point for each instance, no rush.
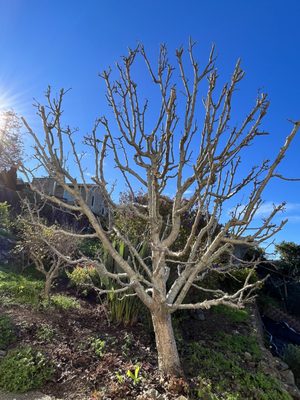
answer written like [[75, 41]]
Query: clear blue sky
[[66, 43]]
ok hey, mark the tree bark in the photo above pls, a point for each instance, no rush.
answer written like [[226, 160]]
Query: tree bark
[[168, 358], [47, 287]]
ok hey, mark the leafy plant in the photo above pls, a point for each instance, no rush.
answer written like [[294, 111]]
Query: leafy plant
[[134, 376], [45, 332], [122, 309], [98, 346], [127, 345], [7, 332], [23, 369], [120, 377], [64, 302]]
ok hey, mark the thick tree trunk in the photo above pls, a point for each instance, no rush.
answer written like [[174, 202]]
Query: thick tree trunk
[[168, 358]]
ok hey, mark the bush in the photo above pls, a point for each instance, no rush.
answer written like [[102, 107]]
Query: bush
[[7, 334], [23, 369], [292, 358]]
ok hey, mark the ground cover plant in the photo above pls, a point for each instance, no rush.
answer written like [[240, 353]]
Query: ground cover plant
[[23, 369]]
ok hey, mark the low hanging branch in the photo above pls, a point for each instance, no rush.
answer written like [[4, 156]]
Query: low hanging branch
[[167, 149]]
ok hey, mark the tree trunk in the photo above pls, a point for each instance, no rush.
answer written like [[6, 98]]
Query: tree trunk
[[168, 358], [47, 287]]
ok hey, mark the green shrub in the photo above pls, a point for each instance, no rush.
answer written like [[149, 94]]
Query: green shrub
[[23, 369], [16, 288], [292, 358], [64, 302], [7, 332], [233, 314]]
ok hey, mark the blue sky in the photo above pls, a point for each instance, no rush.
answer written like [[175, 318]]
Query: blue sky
[[67, 43]]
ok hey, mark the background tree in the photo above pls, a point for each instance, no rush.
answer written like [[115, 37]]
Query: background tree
[[288, 266], [168, 149], [10, 140]]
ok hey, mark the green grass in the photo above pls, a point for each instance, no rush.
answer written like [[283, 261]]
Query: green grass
[[233, 314], [19, 289]]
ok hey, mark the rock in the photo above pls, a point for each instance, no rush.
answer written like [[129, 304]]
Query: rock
[[293, 391], [248, 356], [282, 366], [288, 377], [151, 394], [182, 398]]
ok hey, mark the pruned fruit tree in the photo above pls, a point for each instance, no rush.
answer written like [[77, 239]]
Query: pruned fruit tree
[[180, 140]]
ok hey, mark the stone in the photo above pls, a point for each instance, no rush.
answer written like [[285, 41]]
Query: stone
[[288, 377], [248, 356], [151, 394], [282, 366]]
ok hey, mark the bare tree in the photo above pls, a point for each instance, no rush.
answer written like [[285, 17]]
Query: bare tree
[[155, 151], [43, 245], [10, 140]]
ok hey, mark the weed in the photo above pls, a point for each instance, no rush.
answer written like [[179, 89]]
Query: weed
[[120, 377], [134, 376], [64, 302], [98, 346], [45, 332], [23, 369], [7, 332], [128, 343]]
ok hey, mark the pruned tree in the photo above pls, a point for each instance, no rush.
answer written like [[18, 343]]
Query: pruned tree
[[158, 151], [10, 140]]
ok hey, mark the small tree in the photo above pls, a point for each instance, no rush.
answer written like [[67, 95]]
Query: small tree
[[10, 140], [43, 246], [167, 150], [289, 265]]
